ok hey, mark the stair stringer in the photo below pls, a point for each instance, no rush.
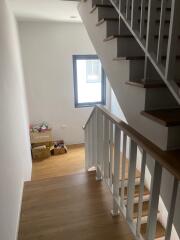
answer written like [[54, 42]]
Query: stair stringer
[[131, 100]]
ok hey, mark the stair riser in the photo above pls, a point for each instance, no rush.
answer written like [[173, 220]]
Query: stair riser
[[159, 98], [137, 71], [114, 29], [173, 138], [136, 199], [156, 29], [177, 75], [164, 46], [158, 3], [144, 219], [111, 28], [107, 13], [128, 47], [106, 2], [137, 182], [157, 16]]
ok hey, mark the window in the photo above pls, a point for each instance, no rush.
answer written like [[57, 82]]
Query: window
[[89, 81]]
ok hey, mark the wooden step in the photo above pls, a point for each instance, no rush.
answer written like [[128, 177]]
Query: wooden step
[[166, 117], [106, 19], [160, 231], [145, 208], [100, 6], [136, 192], [117, 36], [139, 58], [148, 84], [139, 8], [131, 36], [117, 20], [158, 8], [142, 84], [129, 58]]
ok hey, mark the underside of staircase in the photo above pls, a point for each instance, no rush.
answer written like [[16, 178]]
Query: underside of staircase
[[148, 104], [75, 207]]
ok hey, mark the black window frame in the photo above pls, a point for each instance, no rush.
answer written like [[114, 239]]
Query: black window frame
[[103, 82]]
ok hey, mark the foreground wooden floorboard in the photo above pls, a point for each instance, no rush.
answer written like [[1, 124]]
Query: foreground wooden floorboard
[[74, 207]]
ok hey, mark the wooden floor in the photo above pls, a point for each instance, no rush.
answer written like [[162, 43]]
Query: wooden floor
[[75, 207], [60, 165]]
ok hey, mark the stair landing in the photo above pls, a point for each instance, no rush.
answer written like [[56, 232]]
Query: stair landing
[[70, 207]]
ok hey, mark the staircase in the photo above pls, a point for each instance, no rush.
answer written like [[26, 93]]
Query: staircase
[[160, 231], [141, 57], [138, 44], [121, 155]]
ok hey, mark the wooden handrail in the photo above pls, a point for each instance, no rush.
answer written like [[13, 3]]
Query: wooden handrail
[[170, 160]]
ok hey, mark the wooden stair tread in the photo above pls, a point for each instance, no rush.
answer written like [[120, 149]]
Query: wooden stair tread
[[136, 192], [139, 58], [166, 117], [117, 36], [102, 6], [146, 84], [117, 20], [129, 58], [160, 231], [131, 36], [111, 6]]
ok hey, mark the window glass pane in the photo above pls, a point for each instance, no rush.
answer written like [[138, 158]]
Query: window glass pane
[[89, 80]]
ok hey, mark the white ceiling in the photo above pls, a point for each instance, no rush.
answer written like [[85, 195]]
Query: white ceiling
[[54, 10]]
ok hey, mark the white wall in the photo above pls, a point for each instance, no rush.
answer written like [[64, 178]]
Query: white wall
[[47, 49], [15, 158], [115, 107]]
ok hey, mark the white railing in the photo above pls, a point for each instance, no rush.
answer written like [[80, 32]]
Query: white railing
[[155, 24], [109, 142]]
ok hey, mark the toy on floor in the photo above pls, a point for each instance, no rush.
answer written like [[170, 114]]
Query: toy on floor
[[59, 147]]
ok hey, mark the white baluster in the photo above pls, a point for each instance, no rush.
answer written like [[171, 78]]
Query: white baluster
[[134, 15], [141, 192], [122, 6], [142, 19], [172, 209], [154, 201], [90, 142], [172, 41], [111, 152], [131, 180], [128, 10], [115, 210], [123, 169], [106, 149], [94, 140], [161, 30], [86, 148], [150, 40], [99, 145]]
